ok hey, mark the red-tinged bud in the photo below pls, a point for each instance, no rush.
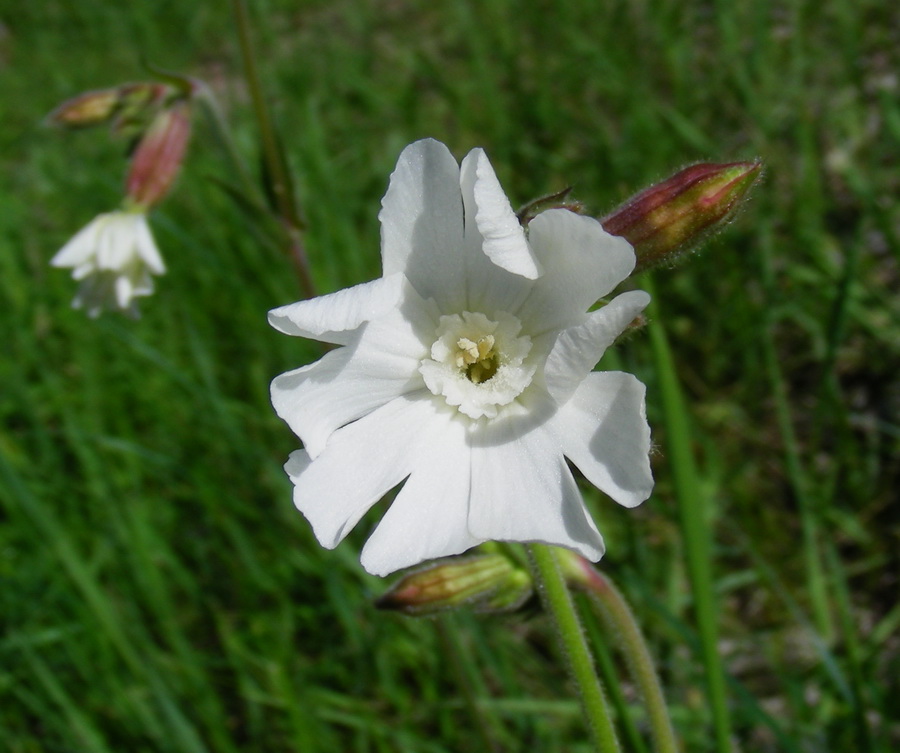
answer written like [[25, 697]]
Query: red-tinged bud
[[668, 219], [578, 572], [87, 109], [483, 582], [158, 156]]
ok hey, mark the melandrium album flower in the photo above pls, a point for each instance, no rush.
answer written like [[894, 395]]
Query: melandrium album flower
[[465, 373], [113, 258]]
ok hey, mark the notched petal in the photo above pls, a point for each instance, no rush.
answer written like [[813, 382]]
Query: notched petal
[[525, 492], [578, 349], [360, 464], [332, 318], [603, 430], [583, 264], [422, 230], [427, 519], [505, 242]]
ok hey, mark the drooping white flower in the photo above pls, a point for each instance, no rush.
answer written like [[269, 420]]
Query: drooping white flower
[[464, 373], [113, 257]]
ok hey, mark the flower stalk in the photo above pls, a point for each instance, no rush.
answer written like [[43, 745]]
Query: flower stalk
[[558, 603], [620, 623], [277, 174]]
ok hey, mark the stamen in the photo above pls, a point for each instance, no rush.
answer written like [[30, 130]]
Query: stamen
[[477, 364], [477, 358]]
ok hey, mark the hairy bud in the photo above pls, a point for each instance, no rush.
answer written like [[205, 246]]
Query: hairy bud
[[668, 219], [484, 582], [158, 155]]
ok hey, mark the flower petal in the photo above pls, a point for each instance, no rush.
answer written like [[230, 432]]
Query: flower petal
[[427, 520], [146, 246], [577, 349], [583, 263], [524, 491], [115, 242], [490, 288], [124, 291], [422, 223], [361, 463], [379, 364], [603, 430], [81, 246], [505, 243], [333, 318]]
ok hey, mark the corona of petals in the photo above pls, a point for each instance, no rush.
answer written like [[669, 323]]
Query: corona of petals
[[478, 365], [464, 375]]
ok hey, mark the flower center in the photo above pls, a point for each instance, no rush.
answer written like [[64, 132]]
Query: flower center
[[478, 364], [477, 358]]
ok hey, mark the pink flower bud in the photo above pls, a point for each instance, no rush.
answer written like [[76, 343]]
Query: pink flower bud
[[158, 156], [668, 219], [484, 582]]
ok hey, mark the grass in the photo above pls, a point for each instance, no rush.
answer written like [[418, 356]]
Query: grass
[[160, 593]]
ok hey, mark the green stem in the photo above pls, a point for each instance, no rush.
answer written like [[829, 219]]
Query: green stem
[[619, 622], [694, 522], [558, 602], [598, 637], [278, 176]]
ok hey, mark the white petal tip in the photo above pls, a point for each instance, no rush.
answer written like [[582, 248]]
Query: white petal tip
[[505, 242]]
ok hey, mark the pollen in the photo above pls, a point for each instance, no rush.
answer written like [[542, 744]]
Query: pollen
[[477, 358]]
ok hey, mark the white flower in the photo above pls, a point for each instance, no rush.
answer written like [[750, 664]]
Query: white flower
[[113, 258], [466, 371]]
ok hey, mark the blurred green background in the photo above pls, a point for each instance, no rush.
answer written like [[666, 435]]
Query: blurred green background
[[158, 592]]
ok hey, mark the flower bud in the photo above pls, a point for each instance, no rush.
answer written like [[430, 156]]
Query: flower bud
[[128, 107], [158, 156], [484, 582], [138, 105], [87, 109], [668, 219]]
